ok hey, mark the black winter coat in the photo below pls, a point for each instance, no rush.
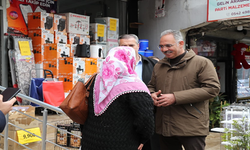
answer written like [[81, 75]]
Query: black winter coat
[[128, 122], [147, 68]]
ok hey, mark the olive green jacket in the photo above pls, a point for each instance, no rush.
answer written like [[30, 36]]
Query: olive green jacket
[[193, 81]]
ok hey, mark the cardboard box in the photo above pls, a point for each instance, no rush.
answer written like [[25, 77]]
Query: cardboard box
[[70, 80], [78, 39], [54, 51], [67, 82], [110, 45], [77, 23], [73, 49], [98, 33], [40, 20], [22, 120], [38, 51], [71, 65], [60, 37], [40, 36], [52, 65], [99, 64], [112, 27], [59, 23], [90, 65]]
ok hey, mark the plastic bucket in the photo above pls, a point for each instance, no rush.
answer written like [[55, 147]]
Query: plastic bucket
[[143, 44], [149, 53], [141, 52]]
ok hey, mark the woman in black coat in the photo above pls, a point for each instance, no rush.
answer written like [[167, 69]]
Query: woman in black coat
[[120, 106]]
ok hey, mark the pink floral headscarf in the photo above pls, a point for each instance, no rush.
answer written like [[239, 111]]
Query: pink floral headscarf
[[117, 77]]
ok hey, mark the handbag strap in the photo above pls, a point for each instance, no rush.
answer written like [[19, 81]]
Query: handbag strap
[[90, 81]]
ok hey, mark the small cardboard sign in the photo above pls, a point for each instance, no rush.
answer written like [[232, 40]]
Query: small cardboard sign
[[24, 48], [26, 137]]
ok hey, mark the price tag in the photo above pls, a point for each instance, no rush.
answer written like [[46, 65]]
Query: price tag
[[24, 48], [25, 137], [112, 24], [100, 30]]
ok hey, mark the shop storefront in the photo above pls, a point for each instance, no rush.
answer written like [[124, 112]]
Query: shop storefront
[[14, 20], [211, 28]]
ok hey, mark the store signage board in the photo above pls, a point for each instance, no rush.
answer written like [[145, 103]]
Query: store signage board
[[227, 9], [17, 11]]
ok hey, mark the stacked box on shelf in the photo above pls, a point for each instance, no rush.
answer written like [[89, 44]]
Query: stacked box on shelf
[[98, 36], [112, 31], [59, 27], [40, 20], [76, 23], [39, 38], [73, 38], [59, 23], [73, 68], [60, 37], [98, 33], [52, 52], [70, 70]]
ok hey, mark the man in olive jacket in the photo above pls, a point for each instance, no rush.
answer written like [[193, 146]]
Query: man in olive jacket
[[181, 85], [144, 68]]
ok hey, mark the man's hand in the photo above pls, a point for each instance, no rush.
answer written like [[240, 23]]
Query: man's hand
[[5, 107], [165, 100], [155, 96]]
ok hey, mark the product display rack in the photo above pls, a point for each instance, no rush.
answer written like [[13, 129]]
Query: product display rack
[[234, 112]]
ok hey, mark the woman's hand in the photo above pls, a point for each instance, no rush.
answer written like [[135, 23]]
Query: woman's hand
[[5, 107], [140, 147]]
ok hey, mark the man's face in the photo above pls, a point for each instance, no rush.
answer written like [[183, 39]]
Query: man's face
[[169, 46], [131, 43]]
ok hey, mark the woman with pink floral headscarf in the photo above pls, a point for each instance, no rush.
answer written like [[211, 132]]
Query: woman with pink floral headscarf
[[120, 106]]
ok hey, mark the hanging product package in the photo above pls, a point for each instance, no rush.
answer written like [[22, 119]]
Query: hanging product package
[[36, 89], [53, 92]]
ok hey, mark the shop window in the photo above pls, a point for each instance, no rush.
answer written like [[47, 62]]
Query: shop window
[[203, 47], [243, 87]]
